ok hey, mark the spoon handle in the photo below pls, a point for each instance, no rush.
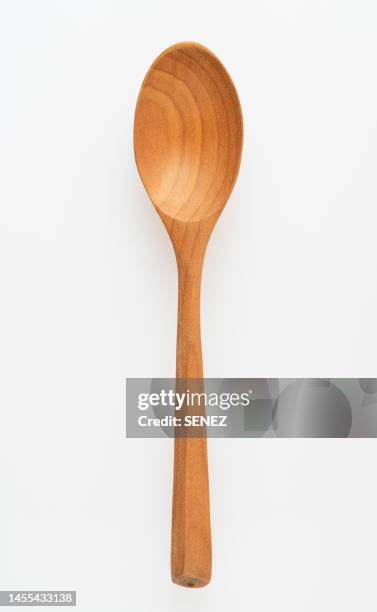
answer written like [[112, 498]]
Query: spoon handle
[[191, 529]]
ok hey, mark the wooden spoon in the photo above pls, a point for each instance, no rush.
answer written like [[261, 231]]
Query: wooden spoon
[[188, 142]]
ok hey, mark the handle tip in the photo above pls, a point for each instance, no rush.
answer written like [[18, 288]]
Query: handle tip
[[193, 582]]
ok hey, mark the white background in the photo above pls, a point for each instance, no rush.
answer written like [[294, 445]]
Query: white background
[[88, 297]]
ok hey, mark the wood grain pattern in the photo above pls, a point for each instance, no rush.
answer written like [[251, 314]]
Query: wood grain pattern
[[188, 143]]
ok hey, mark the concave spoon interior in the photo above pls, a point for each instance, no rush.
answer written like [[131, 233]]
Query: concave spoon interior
[[188, 142]]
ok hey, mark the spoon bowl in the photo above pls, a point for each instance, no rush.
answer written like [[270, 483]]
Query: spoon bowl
[[188, 133], [188, 143]]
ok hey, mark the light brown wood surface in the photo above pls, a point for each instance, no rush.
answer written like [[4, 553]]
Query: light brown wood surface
[[188, 143]]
